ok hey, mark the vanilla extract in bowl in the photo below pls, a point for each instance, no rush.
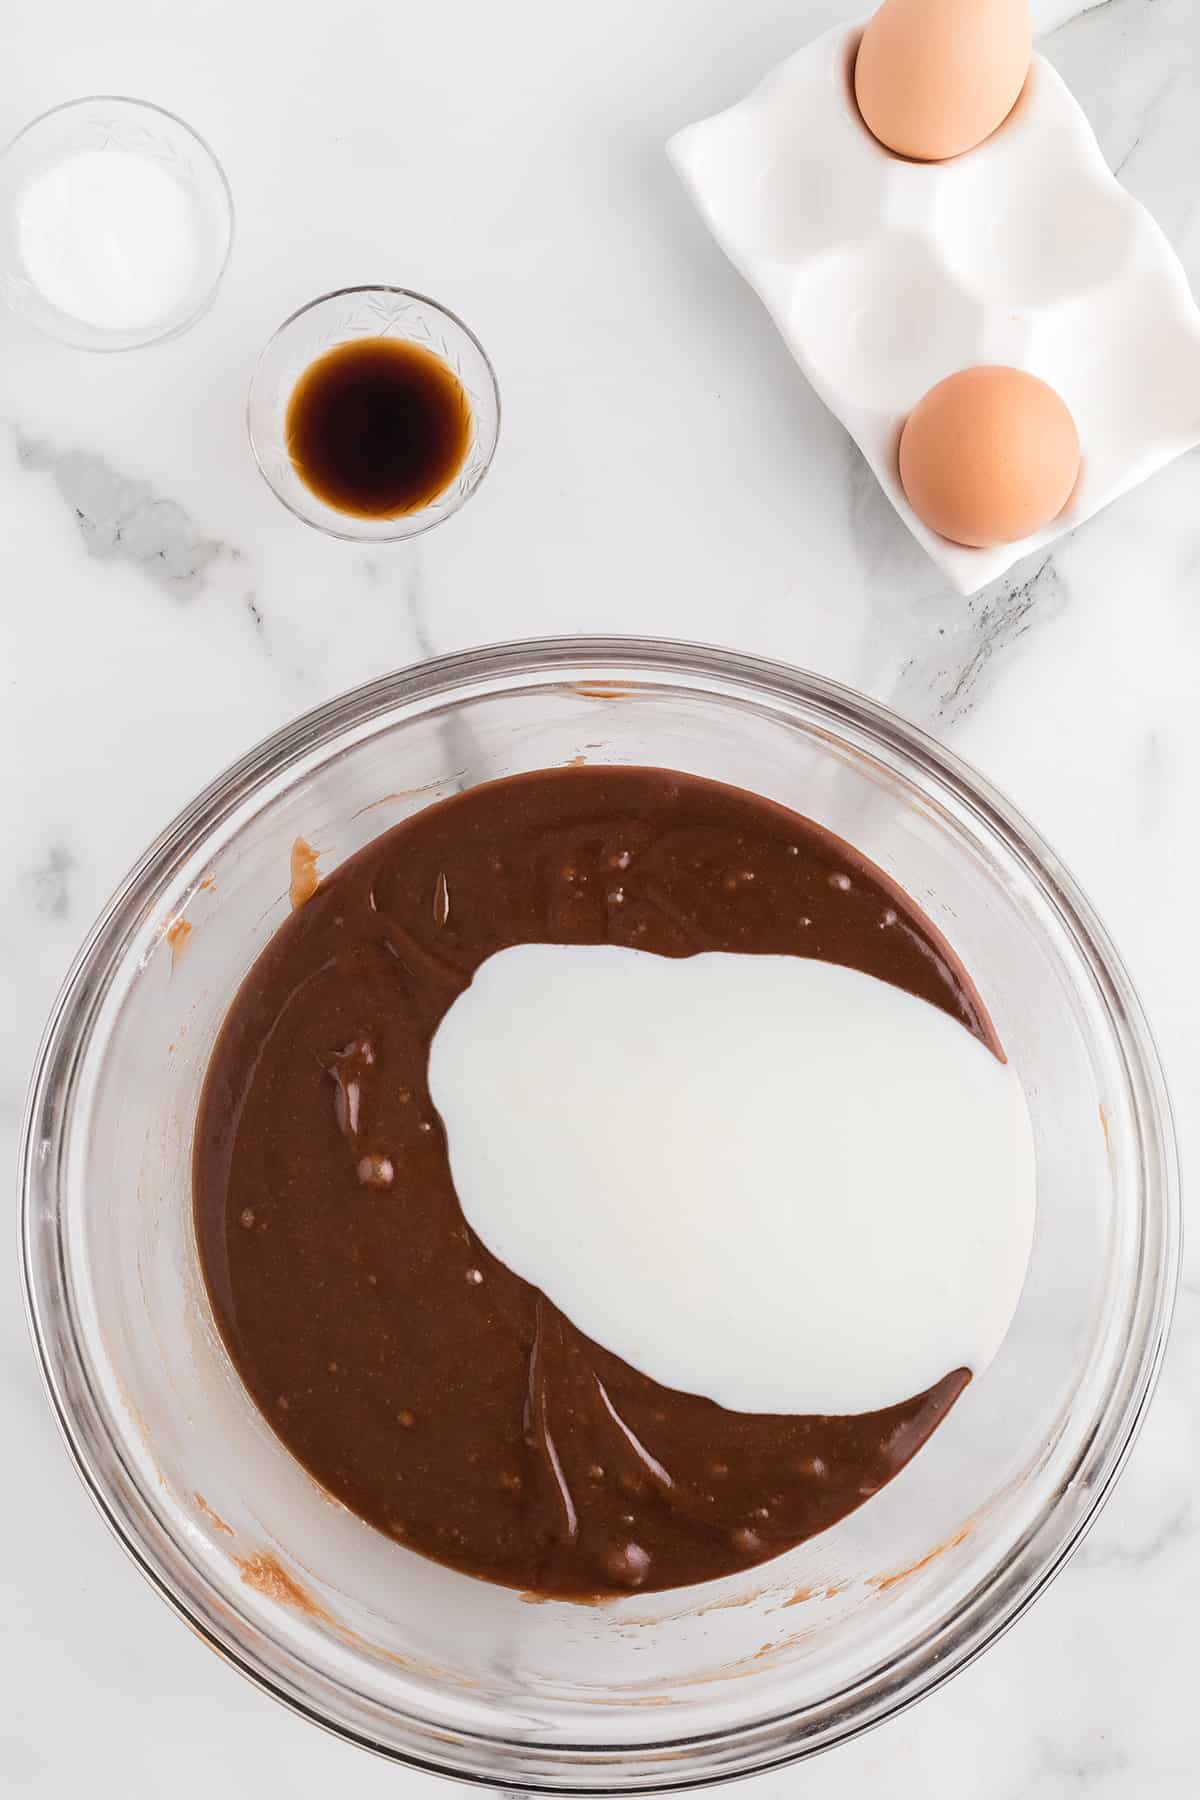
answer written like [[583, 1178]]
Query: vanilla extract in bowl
[[378, 427]]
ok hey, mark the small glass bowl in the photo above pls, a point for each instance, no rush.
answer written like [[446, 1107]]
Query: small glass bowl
[[340, 318], [110, 122]]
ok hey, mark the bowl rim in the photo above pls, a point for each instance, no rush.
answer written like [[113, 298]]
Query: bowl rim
[[420, 522], [91, 338], [995, 1602]]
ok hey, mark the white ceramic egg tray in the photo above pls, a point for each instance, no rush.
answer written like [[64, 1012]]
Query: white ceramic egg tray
[[885, 275]]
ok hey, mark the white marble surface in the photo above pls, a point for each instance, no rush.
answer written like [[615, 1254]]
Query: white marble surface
[[662, 468]]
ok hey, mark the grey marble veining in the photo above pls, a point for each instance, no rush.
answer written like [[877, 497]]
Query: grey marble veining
[[118, 517], [965, 644], [48, 884]]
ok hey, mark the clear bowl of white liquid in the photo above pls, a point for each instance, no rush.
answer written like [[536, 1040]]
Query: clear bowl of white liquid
[[116, 223], [412, 1659]]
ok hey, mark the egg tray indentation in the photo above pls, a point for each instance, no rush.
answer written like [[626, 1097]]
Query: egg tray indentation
[[884, 275]]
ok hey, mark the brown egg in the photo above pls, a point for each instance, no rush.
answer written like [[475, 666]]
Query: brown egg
[[988, 456], [935, 77]]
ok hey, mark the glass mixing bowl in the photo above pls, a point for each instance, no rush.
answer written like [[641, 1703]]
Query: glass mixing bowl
[[415, 1660]]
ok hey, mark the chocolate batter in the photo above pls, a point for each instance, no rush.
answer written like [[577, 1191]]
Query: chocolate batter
[[439, 1396]]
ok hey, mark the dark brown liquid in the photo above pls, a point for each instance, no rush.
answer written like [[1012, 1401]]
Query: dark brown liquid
[[378, 427], [427, 1386]]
